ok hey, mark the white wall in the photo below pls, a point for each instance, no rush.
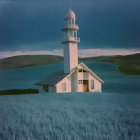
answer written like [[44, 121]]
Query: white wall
[[70, 57], [73, 86], [66, 80], [97, 85]]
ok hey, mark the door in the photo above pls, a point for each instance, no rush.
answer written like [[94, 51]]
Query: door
[[85, 86]]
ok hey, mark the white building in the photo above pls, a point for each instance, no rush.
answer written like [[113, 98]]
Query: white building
[[76, 77]]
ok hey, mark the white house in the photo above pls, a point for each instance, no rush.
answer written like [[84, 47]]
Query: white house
[[75, 77]]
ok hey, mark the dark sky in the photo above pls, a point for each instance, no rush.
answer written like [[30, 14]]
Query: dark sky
[[36, 24]]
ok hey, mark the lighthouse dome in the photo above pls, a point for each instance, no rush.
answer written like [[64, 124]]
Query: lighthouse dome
[[70, 14]]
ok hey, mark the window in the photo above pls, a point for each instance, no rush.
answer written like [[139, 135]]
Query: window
[[45, 88], [63, 86], [80, 70], [92, 84], [80, 82], [84, 71]]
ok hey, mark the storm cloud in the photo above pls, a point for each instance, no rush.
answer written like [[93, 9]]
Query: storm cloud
[[36, 25]]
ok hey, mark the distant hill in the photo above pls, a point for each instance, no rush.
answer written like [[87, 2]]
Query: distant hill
[[129, 64], [28, 60]]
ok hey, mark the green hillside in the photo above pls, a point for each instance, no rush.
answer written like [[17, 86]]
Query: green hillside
[[129, 64], [28, 60]]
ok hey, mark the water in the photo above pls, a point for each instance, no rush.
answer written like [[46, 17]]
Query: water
[[115, 82]]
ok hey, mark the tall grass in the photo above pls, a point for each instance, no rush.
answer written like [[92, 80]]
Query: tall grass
[[70, 116], [77, 116]]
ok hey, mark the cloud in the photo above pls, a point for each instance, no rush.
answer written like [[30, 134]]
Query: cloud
[[2, 3], [102, 23], [16, 53], [105, 52], [82, 52]]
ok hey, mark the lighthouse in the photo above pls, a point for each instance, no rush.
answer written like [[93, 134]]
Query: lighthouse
[[75, 77], [70, 42]]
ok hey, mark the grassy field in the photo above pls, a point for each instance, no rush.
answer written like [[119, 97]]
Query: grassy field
[[70, 116], [112, 115]]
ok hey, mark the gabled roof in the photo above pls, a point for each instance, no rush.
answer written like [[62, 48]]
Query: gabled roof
[[53, 79], [57, 77], [91, 72]]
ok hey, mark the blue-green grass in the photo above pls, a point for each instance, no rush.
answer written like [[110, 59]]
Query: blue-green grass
[[81, 116], [111, 115]]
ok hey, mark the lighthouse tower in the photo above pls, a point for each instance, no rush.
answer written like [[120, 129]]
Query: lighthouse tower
[[70, 42], [76, 77]]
